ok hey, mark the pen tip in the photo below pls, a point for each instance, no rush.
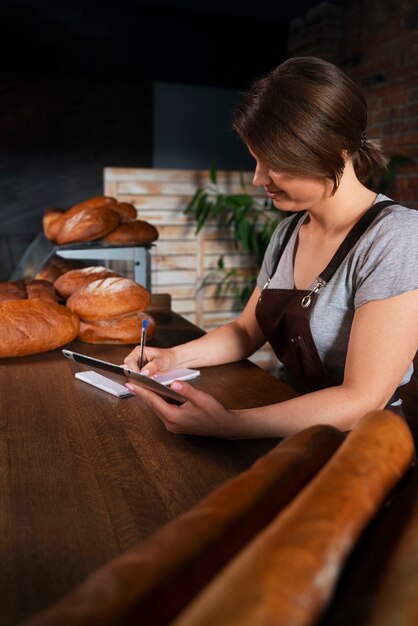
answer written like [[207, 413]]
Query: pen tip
[[144, 323]]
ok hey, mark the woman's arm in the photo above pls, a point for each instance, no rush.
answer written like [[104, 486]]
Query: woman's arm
[[383, 342], [228, 343]]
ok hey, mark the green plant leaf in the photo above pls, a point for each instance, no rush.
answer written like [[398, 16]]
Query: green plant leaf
[[252, 221], [213, 175], [191, 206]]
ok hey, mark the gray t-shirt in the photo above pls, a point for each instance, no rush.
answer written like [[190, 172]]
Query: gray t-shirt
[[383, 263]]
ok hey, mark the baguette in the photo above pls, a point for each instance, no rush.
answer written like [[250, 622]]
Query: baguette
[[151, 582], [287, 574], [395, 600]]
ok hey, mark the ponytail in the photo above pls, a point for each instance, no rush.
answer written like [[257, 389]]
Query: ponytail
[[369, 160]]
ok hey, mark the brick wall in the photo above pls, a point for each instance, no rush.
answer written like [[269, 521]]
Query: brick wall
[[376, 43]]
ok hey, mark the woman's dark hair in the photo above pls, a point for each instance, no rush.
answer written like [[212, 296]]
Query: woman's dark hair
[[301, 118]]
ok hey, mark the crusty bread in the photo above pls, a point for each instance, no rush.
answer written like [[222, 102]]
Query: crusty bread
[[287, 575], [68, 283], [13, 290], [90, 203], [33, 326], [393, 600], [52, 222], [125, 329], [108, 298], [11, 285], [41, 290], [151, 582], [127, 212], [137, 232], [18, 290], [88, 225], [57, 266], [54, 219]]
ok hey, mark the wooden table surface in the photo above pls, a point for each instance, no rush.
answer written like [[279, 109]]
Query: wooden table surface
[[85, 475]]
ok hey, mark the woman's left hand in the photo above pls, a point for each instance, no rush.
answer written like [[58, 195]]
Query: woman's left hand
[[200, 415]]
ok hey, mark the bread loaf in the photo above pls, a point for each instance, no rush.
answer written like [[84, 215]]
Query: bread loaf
[[57, 266], [137, 232], [41, 290], [288, 573], [394, 601], [127, 212], [18, 290], [90, 203], [33, 326], [68, 283], [108, 298], [125, 329], [151, 582], [87, 225], [13, 290], [52, 222]]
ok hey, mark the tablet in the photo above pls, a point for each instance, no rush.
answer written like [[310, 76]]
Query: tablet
[[121, 375]]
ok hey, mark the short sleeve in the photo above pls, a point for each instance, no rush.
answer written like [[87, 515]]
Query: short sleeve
[[388, 263]]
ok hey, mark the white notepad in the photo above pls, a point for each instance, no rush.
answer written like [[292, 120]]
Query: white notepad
[[116, 389]]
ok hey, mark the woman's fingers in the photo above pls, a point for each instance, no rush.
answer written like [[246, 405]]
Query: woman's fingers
[[131, 361], [200, 415], [167, 412], [156, 360], [153, 365]]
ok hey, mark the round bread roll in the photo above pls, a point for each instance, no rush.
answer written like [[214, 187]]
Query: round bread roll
[[52, 222], [57, 266], [138, 232], [88, 225], [33, 326], [108, 298], [69, 282], [124, 329]]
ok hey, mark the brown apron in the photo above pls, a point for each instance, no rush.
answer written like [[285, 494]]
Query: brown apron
[[284, 314]]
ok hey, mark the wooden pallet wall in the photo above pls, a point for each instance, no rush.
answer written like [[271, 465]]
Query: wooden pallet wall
[[182, 260]]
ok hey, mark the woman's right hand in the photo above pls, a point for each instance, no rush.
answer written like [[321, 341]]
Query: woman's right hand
[[156, 360]]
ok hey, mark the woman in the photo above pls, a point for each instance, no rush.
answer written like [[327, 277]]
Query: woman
[[337, 295]]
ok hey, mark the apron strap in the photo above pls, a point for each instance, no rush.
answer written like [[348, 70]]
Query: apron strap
[[289, 232], [352, 238]]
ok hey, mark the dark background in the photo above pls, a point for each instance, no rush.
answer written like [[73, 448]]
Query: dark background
[[77, 90]]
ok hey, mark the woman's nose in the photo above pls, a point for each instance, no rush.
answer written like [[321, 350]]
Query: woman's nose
[[261, 176]]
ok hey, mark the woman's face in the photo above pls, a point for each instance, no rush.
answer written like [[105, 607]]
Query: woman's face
[[291, 193]]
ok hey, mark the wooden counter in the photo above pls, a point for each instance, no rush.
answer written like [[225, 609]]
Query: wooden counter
[[85, 475]]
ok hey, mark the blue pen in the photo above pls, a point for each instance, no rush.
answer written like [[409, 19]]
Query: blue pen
[[142, 346]]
